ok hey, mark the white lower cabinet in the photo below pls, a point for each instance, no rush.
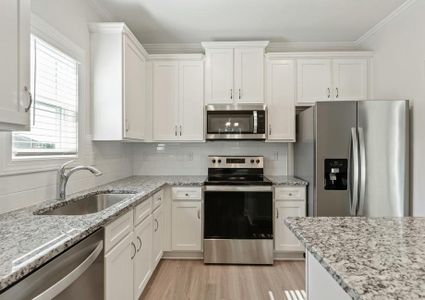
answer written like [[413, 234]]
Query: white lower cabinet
[[119, 270], [133, 248], [157, 234], [289, 202], [142, 260], [186, 219]]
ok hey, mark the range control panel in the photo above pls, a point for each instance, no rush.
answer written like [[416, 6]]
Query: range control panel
[[235, 162], [336, 172]]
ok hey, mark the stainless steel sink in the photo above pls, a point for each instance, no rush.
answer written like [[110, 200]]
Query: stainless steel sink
[[90, 204]]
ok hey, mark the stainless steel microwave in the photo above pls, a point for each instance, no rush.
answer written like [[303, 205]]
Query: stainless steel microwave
[[236, 122]]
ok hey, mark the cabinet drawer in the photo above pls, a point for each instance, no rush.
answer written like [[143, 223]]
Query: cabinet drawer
[[158, 199], [118, 229], [142, 211], [290, 193], [186, 193]]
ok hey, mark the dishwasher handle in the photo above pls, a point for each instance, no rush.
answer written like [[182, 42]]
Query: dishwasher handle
[[66, 281]]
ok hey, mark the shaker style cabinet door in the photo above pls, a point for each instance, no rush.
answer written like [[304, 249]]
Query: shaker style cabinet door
[[249, 75], [219, 76], [134, 92], [280, 100], [285, 240], [119, 270], [314, 80], [165, 101], [157, 232], [15, 103], [142, 260], [186, 225], [350, 79], [191, 100]]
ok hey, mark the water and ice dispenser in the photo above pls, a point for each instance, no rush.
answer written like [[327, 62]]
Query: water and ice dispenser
[[336, 172]]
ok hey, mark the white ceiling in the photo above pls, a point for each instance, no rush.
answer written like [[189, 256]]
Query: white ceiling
[[193, 21]]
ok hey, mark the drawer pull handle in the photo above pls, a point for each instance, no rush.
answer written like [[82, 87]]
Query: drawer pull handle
[[135, 250], [199, 214], [140, 243], [277, 213]]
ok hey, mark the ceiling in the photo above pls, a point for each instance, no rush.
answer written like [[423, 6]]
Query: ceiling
[[193, 21]]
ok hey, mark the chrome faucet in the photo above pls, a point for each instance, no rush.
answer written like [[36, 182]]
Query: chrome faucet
[[63, 177]]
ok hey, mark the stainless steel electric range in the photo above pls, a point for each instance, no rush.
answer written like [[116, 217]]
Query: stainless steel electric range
[[238, 208]]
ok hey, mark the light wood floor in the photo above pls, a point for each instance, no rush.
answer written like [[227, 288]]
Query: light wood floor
[[191, 279]]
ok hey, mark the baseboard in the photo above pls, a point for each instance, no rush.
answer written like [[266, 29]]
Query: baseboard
[[286, 255], [183, 255], [277, 255]]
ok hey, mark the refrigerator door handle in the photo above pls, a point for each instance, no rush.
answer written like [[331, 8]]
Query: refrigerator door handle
[[355, 187], [362, 186]]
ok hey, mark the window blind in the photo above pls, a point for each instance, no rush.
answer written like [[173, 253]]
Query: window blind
[[54, 115]]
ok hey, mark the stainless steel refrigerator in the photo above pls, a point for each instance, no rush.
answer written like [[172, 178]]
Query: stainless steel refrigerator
[[355, 156]]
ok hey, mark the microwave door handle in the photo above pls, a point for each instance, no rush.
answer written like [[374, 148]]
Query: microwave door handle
[[66, 281], [255, 121]]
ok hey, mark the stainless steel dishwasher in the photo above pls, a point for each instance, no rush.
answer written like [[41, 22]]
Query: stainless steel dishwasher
[[75, 274]]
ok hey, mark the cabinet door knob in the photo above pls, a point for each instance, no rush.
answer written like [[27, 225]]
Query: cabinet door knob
[[199, 214], [337, 92], [175, 130], [157, 225], [231, 94], [30, 98], [277, 213], [329, 93], [240, 94]]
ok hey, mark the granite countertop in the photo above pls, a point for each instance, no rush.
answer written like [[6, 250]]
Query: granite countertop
[[28, 240], [286, 180], [370, 258]]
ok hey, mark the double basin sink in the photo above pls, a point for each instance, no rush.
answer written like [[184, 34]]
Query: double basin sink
[[89, 204]]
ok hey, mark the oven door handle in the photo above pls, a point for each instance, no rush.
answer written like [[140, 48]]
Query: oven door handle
[[255, 114], [238, 188]]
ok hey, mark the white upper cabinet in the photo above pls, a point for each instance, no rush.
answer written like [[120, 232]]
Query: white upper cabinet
[[191, 100], [118, 83], [134, 91], [280, 99], [15, 97], [234, 72], [165, 100], [338, 76], [314, 80], [249, 75], [350, 79], [219, 76], [178, 99]]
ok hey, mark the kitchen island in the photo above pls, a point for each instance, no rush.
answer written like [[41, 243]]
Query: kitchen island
[[363, 258]]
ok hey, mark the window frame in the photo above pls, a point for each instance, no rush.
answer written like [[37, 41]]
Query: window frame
[[10, 165]]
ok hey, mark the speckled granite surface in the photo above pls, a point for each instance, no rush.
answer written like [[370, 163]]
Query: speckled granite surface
[[286, 180], [27, 241], [370, 258]]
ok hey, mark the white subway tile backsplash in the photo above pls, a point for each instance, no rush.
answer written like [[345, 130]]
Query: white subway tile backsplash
[[191, 158]]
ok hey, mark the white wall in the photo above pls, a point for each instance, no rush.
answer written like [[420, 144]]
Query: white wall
[[399, 72], [192, 159], [70, 18]]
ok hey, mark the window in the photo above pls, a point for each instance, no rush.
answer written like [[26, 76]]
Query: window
[[54, 116]]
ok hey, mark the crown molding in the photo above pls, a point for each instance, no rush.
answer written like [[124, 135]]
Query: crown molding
[[179, 48], [381, 24], [100, 9], [181, 56], [319, 54], [245, 44]]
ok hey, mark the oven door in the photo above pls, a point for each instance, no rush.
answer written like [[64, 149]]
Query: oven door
[[238, 226], [247, 123]]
